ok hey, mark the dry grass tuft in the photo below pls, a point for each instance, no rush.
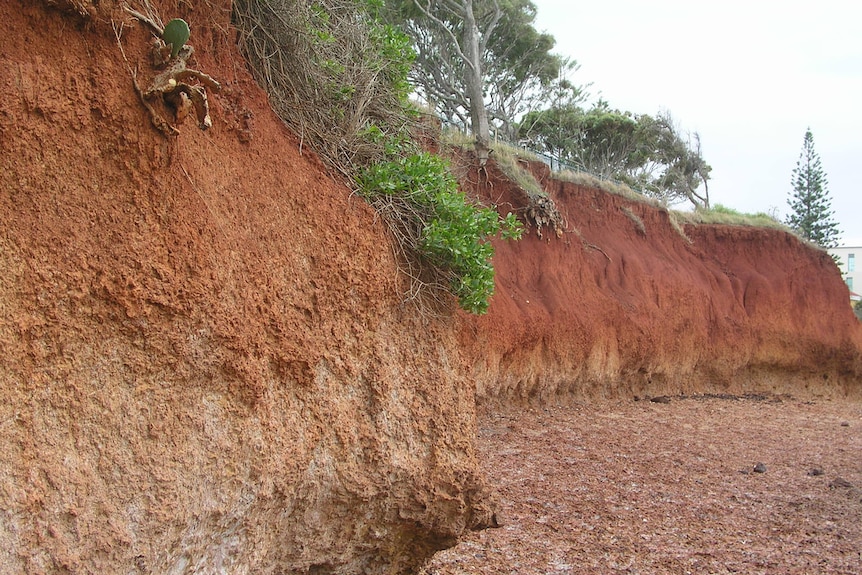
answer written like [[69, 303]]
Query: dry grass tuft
[[723, 215], [324, 75], [639, 223], [509, 160]]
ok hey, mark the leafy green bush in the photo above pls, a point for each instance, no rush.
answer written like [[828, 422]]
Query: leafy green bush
[[443, 226]]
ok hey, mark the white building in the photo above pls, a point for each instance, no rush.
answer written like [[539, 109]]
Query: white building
[[851, 267]]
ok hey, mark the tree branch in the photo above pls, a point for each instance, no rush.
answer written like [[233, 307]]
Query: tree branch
[[426, 10]]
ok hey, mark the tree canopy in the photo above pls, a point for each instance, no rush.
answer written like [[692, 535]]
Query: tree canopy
[[649, 153], [483, 61], [812, 216], [478, 57]]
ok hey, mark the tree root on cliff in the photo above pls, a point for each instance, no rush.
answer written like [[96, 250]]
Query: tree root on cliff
[[543, 212], [170, 89], [588, 245], [598, 249]]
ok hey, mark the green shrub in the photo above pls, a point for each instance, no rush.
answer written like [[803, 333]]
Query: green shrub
[[447, 230], [332, 69]]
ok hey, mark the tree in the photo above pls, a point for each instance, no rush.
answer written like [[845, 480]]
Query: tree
[[478, 60], [451, 38], [552, 130], [812, 215], [649, 153], [520, 69], [685, 169]]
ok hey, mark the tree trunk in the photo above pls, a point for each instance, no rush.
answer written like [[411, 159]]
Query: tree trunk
[[474, 83]]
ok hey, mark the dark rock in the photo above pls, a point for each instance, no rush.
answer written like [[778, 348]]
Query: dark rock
[[814, 472], [660, 399], [760, 468], [840, 482]]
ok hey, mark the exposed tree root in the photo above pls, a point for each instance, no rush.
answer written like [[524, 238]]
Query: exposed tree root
[[543, 212]]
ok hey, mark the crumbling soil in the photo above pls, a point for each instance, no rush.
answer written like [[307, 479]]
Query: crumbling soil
[[208, 365], [642, 487], [628, 302]]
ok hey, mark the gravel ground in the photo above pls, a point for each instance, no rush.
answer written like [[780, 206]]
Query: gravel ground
[[671, 487]]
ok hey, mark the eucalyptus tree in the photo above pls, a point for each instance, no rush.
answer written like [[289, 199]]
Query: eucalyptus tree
[[521, 71], [678, 171], [480, 62]]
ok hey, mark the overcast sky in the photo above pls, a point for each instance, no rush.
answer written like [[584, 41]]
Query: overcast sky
[[750, 77]]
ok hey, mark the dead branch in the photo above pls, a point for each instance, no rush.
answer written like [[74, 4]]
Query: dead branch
[[172, 89]]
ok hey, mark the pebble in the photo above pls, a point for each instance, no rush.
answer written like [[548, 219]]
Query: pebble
[[760, 468]]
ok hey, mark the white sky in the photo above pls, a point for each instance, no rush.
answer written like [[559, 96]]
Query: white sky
[[750, 77]]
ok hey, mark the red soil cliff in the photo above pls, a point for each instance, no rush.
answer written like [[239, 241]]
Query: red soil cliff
[[207, 366], [624, 304]]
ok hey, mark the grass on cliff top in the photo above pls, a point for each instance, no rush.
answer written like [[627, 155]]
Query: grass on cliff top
[[617, 188], [508, 159], [719, 214], [506, 156]]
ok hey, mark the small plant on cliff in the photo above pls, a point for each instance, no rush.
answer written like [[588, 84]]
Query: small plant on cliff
[[176, 34], [636, 219], [435, 220]]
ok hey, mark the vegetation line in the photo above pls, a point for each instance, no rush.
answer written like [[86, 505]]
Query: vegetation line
[[337, 73]]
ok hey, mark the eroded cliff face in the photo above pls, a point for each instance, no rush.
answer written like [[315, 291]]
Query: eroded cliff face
[[206, 367], [206, 363], [626, 305]]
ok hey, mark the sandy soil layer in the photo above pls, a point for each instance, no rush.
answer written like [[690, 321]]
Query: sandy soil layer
[[646, 487]]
